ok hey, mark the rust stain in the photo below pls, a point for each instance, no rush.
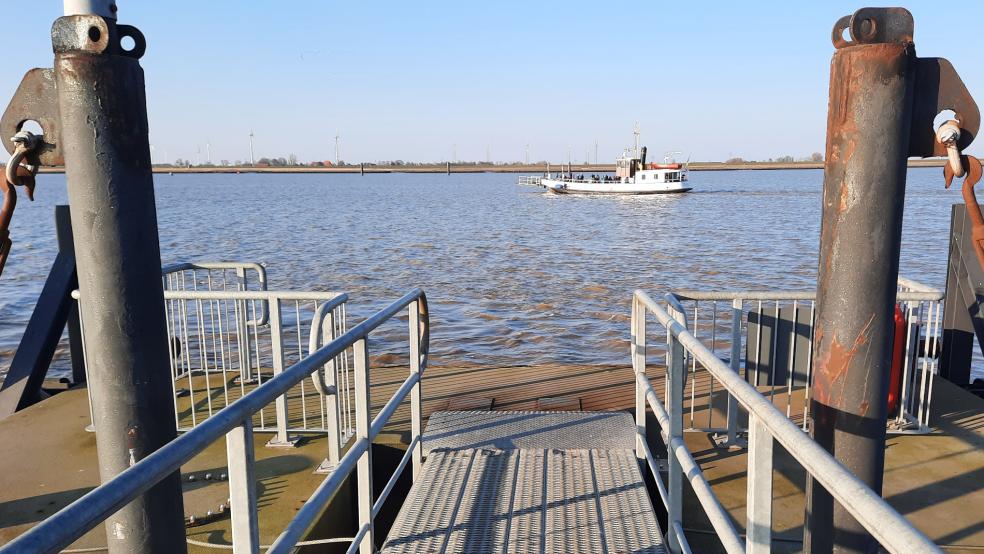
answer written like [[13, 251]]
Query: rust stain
[[833, 363]]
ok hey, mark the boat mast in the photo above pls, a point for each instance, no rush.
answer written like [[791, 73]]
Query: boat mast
[[635, 131]]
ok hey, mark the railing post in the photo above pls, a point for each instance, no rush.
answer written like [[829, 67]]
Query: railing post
[[736, 313], [675, 371], [759, 503], [245, 358], [331, 400], [242, 489], [362, 425], [276, 327], [416, 412], [242, 336], [639, 370]]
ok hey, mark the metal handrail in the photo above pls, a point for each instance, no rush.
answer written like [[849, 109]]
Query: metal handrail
[[68, 524], [916, 291], [919, 302], [884, 523], [240, 268]]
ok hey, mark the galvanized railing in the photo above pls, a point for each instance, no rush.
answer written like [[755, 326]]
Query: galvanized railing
[[224, 342], [768, 336], [219, 352], [235, 423], [766, 424], [215, 276], [530, 181]]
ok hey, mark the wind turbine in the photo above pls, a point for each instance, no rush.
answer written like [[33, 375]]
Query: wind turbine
[[251, 160], [336, 146]]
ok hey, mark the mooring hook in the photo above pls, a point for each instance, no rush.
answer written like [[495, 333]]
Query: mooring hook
[[15, 174], [972, 169], [25, 142]]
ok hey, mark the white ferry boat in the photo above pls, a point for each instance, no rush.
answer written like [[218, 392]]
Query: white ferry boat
[[632, 176]]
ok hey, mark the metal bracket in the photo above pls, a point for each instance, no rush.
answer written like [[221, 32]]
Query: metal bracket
[[35, 99], [939, 88], [937, 85], [874, 26]]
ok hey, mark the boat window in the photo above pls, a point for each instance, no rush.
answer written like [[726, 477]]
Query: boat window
[[643, 176]]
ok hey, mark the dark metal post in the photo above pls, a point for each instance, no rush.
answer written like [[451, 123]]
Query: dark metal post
[[104, 139], [871, 86], [883, 101]]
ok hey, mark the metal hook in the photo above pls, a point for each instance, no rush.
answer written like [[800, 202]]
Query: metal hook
[[971, 167], [26, 142]]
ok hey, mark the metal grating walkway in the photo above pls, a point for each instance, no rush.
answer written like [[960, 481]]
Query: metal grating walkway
[[510, 430], [534, 498]]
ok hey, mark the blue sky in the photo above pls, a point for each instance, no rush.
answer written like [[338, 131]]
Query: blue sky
[[418, 80]]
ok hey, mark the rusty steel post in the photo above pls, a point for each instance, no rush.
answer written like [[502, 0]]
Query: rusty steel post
[[883, 101], [104, 140], [868, 124]]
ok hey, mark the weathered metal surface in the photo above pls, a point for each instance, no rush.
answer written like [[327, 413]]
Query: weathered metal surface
[[972, 167], [35, 100], [868, 127], [880, 96], [939, 88], [104, 140]]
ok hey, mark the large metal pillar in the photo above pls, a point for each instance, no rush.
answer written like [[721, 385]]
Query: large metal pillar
[[92, 110], [104, 138], [871, 131]]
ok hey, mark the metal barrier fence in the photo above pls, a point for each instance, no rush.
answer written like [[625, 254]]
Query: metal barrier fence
[[767, 336], [215, 276], [766, 424], [235, 423], [227, 338]]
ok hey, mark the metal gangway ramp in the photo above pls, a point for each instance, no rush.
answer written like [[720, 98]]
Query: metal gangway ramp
[[528, 482]]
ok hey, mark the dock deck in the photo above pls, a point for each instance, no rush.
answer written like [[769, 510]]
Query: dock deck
[[934, 479], [559, 482]]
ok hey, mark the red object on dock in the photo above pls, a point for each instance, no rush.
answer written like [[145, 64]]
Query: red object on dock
[[898, 355]]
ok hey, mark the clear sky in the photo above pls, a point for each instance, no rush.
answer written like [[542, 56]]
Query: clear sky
[[420, 80]]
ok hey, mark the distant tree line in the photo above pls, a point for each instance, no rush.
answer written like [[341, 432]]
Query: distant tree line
[[815, 157]]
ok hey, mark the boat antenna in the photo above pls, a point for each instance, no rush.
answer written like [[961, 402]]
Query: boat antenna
[[636, 132]]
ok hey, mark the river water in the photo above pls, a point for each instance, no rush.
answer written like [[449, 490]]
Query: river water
[[513, 275]]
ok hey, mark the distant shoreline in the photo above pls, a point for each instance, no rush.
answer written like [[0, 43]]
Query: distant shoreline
[[532, 168]]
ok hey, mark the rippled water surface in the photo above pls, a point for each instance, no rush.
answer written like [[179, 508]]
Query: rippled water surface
[[513, 275]]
